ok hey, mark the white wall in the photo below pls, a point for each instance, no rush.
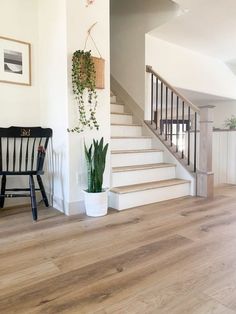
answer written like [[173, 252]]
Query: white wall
[[222, 111], [224, 156], [77, 26], [130, 20], [55, 29], [19, 104], [189, 70], [52, 17], [63, 28]]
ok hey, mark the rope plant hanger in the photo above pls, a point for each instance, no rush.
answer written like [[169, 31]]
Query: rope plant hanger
[[84, 86]]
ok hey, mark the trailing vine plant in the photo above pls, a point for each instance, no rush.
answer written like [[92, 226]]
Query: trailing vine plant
[[84, 89]]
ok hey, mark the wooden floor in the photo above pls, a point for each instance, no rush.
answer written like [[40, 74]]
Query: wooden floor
[[177, 257]]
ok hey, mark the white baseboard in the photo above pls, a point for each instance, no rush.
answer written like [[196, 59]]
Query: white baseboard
[[76, 208], [69, 209]]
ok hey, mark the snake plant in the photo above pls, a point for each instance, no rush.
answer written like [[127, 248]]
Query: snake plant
[[96, 161]]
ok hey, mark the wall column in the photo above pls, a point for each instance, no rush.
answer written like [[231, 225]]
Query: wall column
[[205, 176]]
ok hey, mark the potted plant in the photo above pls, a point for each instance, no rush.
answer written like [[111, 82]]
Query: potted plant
[[96, 203], [84, 89], [231, 122]]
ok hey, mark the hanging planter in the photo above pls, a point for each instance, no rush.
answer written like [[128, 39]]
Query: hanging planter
[[99, 65], [99, 62], [87, 75], [84, 89]]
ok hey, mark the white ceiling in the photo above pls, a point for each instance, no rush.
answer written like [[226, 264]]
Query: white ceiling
[[202, 98], [205, 26]]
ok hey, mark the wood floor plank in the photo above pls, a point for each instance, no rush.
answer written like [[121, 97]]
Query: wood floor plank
[[224, 290], [173, 257], [82, 277], [165, 302], [25, 277], [128, 283]]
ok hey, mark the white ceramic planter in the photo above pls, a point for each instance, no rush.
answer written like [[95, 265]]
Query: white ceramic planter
[[96, 204]]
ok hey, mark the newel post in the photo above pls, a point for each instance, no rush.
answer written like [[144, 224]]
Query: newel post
[[205, 176]]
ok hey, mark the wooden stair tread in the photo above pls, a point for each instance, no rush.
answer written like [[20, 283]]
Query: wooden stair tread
[[136, 151], [142, 167], [126, 124], [147, 186], [131, 137], [122, 113], [117, 103]]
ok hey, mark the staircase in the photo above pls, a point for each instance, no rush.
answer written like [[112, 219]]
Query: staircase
[[140, 174]]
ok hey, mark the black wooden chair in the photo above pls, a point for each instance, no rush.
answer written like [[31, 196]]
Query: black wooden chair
[[22, 153]]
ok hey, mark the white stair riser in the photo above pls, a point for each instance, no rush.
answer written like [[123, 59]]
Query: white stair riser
[[129, 200], [126, 130], [117, 108], [142, 176], [119, 160], [121, 118], [113, 99], [131, 143]]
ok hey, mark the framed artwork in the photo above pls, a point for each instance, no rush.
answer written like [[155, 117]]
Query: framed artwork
[[15, 61]]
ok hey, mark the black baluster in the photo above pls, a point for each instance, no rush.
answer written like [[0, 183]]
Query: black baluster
[[157, 95], [161, 108], [166, 129], [189, 124], [171, 119], [151, 98], [177, 125], [195, 143], [183, 137]]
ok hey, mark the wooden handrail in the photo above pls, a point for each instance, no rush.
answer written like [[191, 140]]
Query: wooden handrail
[[188, 102]]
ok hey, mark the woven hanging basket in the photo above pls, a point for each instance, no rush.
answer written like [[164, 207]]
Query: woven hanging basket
[[99, 65], [99, 62]]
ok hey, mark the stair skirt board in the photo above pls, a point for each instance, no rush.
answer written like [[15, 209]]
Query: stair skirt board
[[121, 143], [144, 197], [138, 176], [136, 158]]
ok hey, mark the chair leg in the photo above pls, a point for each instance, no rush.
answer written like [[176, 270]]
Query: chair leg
[[33, 198], [41, 186], [3, 188]]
